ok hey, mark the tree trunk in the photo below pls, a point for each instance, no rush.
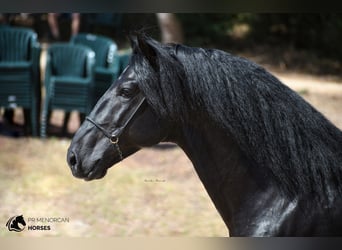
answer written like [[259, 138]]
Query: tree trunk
[[171, 29]]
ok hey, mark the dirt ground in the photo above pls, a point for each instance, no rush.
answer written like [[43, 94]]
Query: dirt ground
[[155, 192]]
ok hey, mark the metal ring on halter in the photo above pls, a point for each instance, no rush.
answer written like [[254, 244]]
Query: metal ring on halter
[[114, 139]]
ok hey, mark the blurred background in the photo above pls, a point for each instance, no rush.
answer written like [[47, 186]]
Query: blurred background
[[155, 192]]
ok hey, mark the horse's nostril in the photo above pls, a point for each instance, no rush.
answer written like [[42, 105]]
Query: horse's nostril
[[72, 159]]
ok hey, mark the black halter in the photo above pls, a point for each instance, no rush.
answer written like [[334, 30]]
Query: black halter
[[114, 136]]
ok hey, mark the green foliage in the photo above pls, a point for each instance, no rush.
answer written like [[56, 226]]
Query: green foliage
[[206, 29], [318, 32], [309, 31]]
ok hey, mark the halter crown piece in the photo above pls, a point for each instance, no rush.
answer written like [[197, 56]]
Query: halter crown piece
[[115, 135]]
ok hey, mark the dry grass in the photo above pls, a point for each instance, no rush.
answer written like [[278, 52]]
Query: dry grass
[[36, 182]]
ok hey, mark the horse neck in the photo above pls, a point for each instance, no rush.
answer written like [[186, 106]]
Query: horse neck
[[226, 174]]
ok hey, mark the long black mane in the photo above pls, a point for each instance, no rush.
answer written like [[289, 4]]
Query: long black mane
[[275, 128]]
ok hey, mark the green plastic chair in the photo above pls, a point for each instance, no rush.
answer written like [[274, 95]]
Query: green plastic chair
[[69, 80], [20, 73], [107, 65]]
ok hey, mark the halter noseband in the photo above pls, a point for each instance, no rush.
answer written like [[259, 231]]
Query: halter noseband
[[114, 136]]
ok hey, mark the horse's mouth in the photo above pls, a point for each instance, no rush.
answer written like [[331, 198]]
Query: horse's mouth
[[98, 172], [100, 167], [95, 174]]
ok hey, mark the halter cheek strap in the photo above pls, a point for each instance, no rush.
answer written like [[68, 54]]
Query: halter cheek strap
[[114, 136]]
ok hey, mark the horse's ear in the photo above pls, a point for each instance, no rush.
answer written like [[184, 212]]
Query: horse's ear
[[133, 40], [148, 51]]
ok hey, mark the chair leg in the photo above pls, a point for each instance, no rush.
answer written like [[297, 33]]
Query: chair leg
[[43, 125], [28, 127], [33, 116], [9, 115], [34, 122], [82, 117], [45, 119], [65, 122], [37, 113]]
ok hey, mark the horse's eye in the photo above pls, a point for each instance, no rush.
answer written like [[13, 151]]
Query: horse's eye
[[126, 92]]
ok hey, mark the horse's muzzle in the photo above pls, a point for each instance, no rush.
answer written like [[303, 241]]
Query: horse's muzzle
[[80, 172], [74, 164]]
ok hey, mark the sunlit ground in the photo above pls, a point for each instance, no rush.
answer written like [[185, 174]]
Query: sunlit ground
[[156, 192]]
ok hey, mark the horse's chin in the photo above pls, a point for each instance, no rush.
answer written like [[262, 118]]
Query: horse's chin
[[93, 175], [100, 168]]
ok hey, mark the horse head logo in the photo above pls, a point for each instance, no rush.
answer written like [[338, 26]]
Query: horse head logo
[[14, 222]]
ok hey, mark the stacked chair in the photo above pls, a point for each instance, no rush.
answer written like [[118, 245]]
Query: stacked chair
[[107, 65], [20, 74], [77, 74], [69, 80]]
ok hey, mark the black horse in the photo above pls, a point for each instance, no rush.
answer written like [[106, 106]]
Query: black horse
[[270, 162]]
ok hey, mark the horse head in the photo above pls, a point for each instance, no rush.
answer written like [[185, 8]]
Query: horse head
[[120, 124], [20, 220], [13, 223]]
